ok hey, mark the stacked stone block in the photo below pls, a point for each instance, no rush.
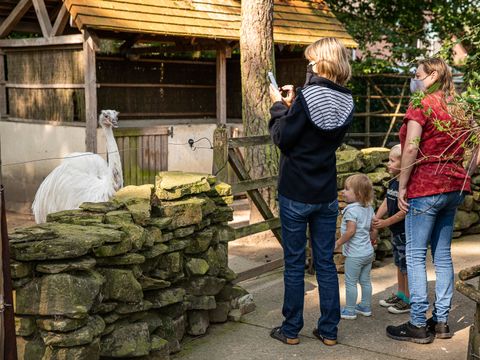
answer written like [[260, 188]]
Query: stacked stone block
[[130, 277]]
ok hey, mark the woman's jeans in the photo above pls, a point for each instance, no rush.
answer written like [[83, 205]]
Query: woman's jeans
[[430, 221], [357, 270], [322, 219]]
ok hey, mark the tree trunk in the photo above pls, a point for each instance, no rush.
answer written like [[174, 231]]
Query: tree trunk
[[256, 59]]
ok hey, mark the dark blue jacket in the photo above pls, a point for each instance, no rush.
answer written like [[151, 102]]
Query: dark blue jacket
[[307, 135]]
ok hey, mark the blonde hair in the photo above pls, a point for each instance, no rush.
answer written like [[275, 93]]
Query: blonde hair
[[362, 188], [445, 78], [331, 59], [396, 150]]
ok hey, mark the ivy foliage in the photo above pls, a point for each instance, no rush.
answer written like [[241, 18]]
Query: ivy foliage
[[388, 31]]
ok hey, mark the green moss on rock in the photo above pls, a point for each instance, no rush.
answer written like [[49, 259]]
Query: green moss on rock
[[71, 295], [127, 340], [82, 336], [55, 267], [121, 285], [170, 185], [24, 325], [60, 324]]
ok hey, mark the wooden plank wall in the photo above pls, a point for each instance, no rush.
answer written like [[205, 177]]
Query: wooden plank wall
[[144, 152], [45, 84], [153, 88]]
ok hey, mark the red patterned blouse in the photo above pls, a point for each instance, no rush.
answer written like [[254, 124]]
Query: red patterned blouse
[[439, 161]]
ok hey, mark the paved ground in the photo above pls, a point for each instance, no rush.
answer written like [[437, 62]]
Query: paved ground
[[363, 338]]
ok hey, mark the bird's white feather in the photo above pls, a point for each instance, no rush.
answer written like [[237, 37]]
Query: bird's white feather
[[82, 177]]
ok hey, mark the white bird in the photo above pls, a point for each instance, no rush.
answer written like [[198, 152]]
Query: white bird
[[82, 177]]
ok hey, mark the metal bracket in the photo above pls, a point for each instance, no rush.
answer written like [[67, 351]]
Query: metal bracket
[[170, 132], [3, 305]]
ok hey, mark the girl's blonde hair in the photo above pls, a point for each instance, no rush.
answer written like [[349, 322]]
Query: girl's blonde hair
[[445, 78], [362, 187], [331, 58]]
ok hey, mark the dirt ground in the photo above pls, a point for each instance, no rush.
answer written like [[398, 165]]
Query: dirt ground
[[15, 220]]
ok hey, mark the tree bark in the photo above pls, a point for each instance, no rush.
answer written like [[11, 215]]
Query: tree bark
[[256, 59]]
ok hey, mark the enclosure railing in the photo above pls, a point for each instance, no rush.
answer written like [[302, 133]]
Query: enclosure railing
[[472, 293], [226, 151]]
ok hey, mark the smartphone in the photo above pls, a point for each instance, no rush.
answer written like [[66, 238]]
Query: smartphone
[[272, 79]]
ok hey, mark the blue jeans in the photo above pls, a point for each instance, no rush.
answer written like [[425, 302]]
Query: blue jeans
[[430, 221], [322, 219], [357, 270]]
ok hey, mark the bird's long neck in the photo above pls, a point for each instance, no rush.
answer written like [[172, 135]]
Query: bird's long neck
[[114, 162]]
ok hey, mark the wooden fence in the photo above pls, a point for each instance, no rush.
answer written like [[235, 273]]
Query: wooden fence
[[379, 97], [143, 152], [473, 294], [226, 152]]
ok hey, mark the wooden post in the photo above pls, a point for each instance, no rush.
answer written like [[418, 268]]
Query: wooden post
[[3, 89], [222, 85], [43, 18], [60, 22], [394, 118], [9, 344], [90, 70], [2, 318], [220, 153], [367, 118]]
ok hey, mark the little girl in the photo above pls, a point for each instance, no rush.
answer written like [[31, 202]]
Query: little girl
[[357, 247]]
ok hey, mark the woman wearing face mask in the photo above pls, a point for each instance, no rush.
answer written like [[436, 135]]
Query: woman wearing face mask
[[432, 185]]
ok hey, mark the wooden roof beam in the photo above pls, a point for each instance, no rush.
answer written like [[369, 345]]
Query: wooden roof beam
[[24, 26], [60, 21], [43, 18], [14, 17]]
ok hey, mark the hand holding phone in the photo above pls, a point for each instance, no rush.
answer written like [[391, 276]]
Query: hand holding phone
[[272, 79]]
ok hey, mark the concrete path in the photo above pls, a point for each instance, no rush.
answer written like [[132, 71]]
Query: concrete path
[[360, 339]]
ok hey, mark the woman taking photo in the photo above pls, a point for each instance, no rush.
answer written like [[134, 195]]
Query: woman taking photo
[[307, 129], [432, 185]]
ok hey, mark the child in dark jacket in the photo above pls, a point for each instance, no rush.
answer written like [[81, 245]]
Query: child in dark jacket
[[398, 303]]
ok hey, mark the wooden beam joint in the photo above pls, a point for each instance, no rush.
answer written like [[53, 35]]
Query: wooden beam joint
[[60, 21], [14, 17]]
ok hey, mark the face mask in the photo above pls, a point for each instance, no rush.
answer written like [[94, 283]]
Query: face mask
[[309, 73], [417, 85]]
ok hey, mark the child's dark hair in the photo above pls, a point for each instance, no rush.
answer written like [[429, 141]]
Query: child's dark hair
[[362, 188]]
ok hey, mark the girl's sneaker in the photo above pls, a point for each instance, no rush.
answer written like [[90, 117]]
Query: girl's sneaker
[[400, 307], [363, 310], [348, 314], [391, 301]]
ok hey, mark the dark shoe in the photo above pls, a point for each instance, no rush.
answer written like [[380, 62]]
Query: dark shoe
[[400, 307], [277, 334], [409, 332], [392, 300], [440, 329], [328, 342]]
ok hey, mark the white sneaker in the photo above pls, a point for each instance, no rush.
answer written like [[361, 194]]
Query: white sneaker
[[391, 301], [400, 307]]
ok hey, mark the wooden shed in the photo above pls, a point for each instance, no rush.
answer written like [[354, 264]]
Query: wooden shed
[[54, 81]]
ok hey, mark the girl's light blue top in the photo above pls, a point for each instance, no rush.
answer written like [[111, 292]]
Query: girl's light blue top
[[359, 244]]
